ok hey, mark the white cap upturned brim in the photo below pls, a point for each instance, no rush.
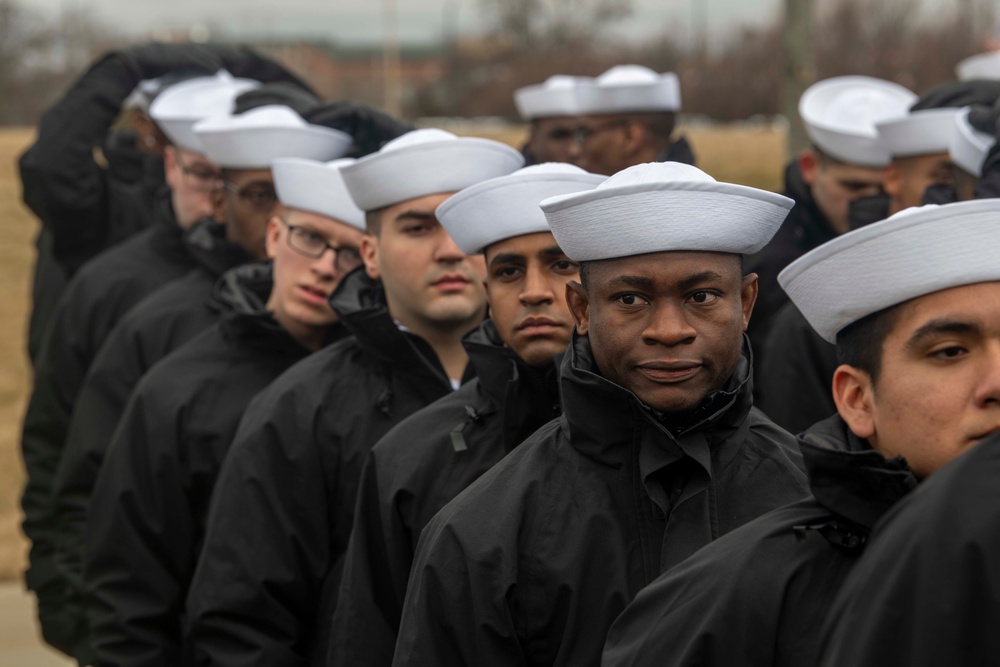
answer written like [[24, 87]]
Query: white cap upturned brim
[[663, 207], [426, 162], [508, 206], [555, 97], [980, 66], [840, 114], [256, 138], [918, 251], [629, 88], [969, 147], [317, 187], [179, 107], [143, 95], [918, 133]]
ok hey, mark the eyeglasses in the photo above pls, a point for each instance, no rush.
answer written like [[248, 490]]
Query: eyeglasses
[[314, 246], [203, 179], [257, 196], [582, 133]]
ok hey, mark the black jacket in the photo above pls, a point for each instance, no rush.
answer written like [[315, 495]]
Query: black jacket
[[155, 327], [758, 596], [679, 150], [797, 373], [926, 591], [803, 229], [414, 471], [150, 502], [532, 563], [95, 300], [265, 588]]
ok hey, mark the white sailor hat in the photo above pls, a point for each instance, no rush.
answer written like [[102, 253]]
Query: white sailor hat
[[662, 207], [918, 251], [426, 162], [180, 106], [918, 133], [507, 206], [969, 146], [629, 88], [143, 94], [980, 66], [555, 97], [840, 114], [254, 139], [317, 187]]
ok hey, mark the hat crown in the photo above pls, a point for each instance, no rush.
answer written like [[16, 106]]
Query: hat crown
[[561, 82], [416, 138], [271, 115], [550, 168], [200, 97], [657, 172], [627, 75]]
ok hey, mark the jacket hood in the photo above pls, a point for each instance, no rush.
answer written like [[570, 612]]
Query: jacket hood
[[848, 477], [206, 242], [527, 396], [603, 416]]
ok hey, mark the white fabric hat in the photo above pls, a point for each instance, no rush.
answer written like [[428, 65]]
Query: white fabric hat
[[317, 187], [969, 146], [143, 94], [254, 139], [555, 97], [918, 251], [840, 114], [661, 207], [629, 88], [179, 107], [507, 206], [980, 66], [426, 162], [918, 133]]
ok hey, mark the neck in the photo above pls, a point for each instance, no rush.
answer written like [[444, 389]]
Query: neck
[[310, 337], [446, 341]]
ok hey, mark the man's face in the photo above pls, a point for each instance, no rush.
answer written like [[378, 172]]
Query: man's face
[[429, 282], [907, 178], [938, 390], [526, 286], [666, 326], [192, 179], [605, 144], [552, 139], [303, 282], [246, 203], [834, 186]]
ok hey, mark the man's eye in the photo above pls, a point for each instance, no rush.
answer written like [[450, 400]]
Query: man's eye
[[950, 352], [566, 265], [507, 272], [704, 297], [631, 299]]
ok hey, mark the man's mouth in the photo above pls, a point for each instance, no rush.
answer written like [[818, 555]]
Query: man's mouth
[[314, 294], [669, 371], [451, 282], [537, 326]]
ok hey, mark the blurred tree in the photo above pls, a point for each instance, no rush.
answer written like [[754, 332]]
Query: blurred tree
[[529, 24], [25, 42]]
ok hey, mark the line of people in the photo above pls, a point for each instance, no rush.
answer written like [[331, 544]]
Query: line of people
[[354, 393]]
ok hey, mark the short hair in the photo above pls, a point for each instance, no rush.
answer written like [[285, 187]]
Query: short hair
[[373, 221], [826, 159], [860, 343]]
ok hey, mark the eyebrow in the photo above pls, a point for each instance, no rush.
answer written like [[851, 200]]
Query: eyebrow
[[510, 257], [638, 282], [698, 279], [414, 214], [938, 327]]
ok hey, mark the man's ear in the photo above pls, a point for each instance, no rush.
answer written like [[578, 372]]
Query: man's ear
[[808, 166], [853, 393], [748, 296], [579, 306], [273, 236], [369, 251], [171, 171], [892, 180], [635, 137]]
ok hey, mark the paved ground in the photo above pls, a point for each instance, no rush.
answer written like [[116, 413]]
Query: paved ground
[[20, 645]]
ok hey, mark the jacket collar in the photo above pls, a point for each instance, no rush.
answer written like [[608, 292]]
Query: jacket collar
[[603, 419], [848, 477], [206, 242]]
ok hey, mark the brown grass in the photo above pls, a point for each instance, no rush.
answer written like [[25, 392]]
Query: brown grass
[[747, 156]]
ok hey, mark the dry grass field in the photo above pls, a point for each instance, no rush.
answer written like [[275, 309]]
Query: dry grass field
[[748, 156]]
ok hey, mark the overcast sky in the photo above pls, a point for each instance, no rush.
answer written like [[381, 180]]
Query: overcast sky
[[360, 21]]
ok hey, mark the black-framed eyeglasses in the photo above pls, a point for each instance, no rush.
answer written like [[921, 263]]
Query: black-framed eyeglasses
[[312, 245], [257, 196], [582, 133], [202, 178]]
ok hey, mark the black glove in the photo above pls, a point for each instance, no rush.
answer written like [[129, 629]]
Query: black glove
[[986, 118], [371, 128], [279, 92]]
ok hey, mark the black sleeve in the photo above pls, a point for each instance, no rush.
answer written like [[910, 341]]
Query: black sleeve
[[141, 538], [267, 549], [989, 184], [376, 571]]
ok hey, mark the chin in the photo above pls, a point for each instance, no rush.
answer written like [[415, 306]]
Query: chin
[[455, 310], [671, 402], [540, 354]]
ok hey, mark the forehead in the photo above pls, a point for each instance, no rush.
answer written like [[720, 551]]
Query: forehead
[[321, 224], [248, 176], [664, 269], [974, 304], [924, 162], [426, 204], [555, 122], [191, 157], [853, 173], [525, 245]]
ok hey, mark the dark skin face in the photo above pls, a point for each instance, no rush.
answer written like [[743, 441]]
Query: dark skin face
[[552, 139], [245, 206], [666, 326], [906, 178]]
